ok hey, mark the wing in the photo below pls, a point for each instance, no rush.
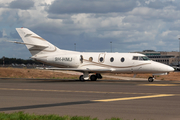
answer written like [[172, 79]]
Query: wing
[[83, 70]]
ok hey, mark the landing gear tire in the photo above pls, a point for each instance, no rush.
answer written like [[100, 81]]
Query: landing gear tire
[[93, 78], [98, 76], [151, 79], [81, 78]]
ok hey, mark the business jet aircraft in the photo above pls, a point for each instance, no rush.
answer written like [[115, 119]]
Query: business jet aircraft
[[89, 62]]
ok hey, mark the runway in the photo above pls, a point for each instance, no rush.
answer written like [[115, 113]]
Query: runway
[[103, 99]]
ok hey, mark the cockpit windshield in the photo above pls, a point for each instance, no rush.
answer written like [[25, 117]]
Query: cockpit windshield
[[143, 58]]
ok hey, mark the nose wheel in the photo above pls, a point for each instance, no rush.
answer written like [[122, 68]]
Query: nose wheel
[[151, 79]]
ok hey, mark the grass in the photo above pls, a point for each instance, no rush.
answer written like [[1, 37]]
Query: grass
[[25, 116]]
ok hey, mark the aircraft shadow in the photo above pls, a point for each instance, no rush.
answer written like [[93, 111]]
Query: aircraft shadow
[[45, 105], [38, 80]]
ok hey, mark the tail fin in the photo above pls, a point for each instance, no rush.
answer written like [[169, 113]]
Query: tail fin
[[36, 44]]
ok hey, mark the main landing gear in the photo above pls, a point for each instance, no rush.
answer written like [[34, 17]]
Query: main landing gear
[[92, 77], [151, 79], [81, 78]]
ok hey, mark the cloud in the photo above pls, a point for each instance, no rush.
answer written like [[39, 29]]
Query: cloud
[[165, 14], [132, 25], [14, 35], [158, 4], [21, 4], [93, 6], [1, 34]]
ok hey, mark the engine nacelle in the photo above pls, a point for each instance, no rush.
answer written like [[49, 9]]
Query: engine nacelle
[[65, 60]]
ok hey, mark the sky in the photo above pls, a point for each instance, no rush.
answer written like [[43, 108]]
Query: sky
[[131, 25]]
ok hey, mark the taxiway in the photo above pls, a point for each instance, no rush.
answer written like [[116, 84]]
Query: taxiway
[[103, 99]]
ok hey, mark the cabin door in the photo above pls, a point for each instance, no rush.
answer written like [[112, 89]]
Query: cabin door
[[81, 58]]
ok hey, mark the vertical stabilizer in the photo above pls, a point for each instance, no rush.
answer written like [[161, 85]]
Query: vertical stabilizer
[[36, 44]]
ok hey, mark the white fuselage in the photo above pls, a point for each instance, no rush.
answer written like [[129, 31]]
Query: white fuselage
[[114, 62]]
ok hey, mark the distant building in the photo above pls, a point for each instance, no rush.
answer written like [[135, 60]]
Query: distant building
[[169, 58]]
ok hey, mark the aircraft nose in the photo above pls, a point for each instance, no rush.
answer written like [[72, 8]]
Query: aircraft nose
[[170, 69], [162, 67], [167, 68]]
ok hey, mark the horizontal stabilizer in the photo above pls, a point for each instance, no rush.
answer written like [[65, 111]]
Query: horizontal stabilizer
[[82, 69], [36, 45]]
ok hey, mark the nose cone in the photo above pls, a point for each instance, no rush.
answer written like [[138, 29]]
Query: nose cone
[[170, 69], [162, 67]]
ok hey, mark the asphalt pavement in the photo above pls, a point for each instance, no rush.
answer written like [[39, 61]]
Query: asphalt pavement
[[132, 99]]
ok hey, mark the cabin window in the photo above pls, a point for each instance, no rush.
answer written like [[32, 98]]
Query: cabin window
[[91, 59], [142, 58], [111, 59], [122, 59], [135, 57], [101, 59]]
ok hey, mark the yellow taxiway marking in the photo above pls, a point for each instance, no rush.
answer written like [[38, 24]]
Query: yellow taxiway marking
[[134, 98], [158, 85]]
